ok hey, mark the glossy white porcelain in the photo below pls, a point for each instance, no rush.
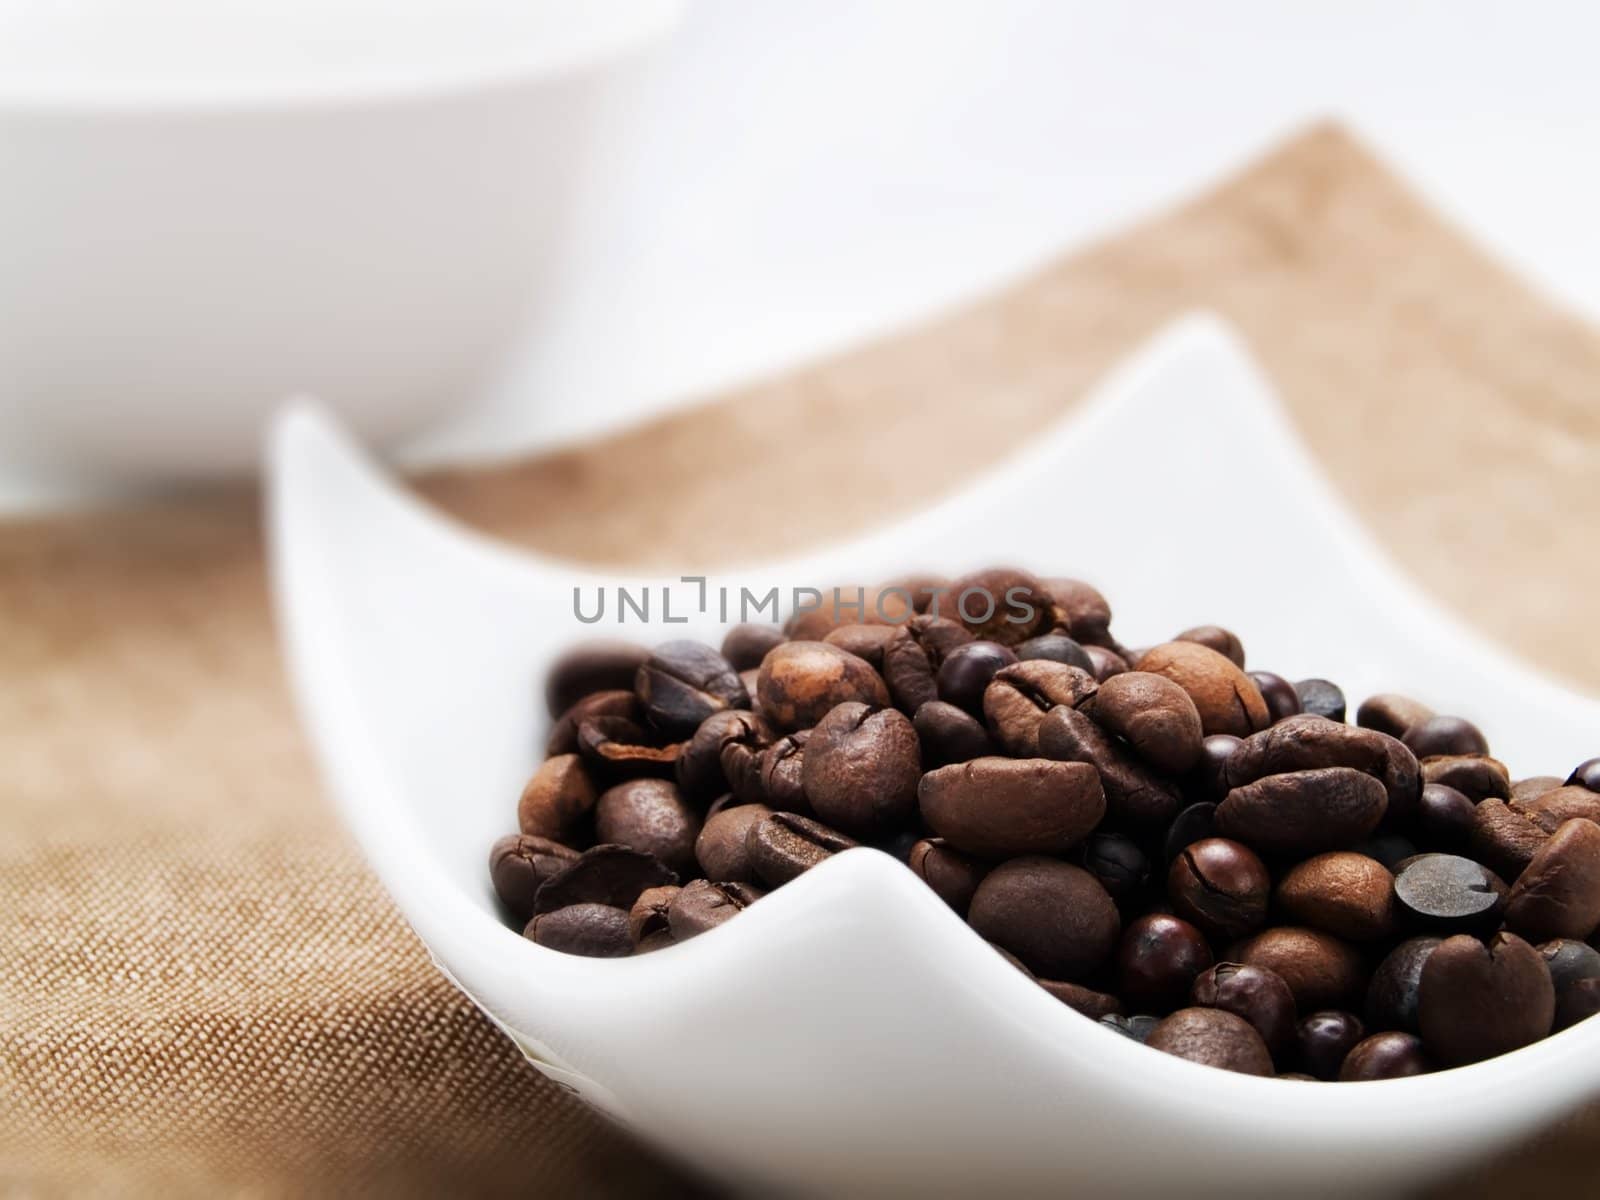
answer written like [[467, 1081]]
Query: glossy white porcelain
[[849, 1034]]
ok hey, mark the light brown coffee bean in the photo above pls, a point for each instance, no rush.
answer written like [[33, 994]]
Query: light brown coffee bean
[[1226, 698], [1348, 895], [801, 681], [1321, 970], [1558, 894], [1152, 714], [1018, 696], [557, 801], [1215, 1038], [1003, 807]]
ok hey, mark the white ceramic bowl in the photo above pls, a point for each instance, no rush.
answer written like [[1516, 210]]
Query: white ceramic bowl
[[209, 205], [849, 1034]]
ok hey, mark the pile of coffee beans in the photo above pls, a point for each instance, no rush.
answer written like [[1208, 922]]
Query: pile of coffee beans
[[1209, 860]]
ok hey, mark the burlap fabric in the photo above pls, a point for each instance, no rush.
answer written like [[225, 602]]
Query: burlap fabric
[[201, 988]]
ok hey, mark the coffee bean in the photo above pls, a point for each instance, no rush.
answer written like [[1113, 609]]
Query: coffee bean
[[1055, 647], [1448, 894], [1001, 604], [1282, 700], [1391, 713], [1345, 894], [1321, 698], [1154, 715], [1306, 742], [1578, 1003], [1193, 824], [1325, 1038], [1392, 994], [1135, 794], [607, 874], [1389, 1055], [557, 801], [1158, 960], [912, 657], [801, 681], [704, 905], [682, 683], [1321, 970], [1209, 777], [1215, 637], [1533, 786], [616, 748], [648, 916], [1053, 916], [866, 642], [1558, 895], [744, 646], [1019, 695], [563, 737], [601, 666], [1087, 1001], [1504, 838], [651, 815], [1477, 1001], [1444, 818], [519, 863], [1136, 1029], [1586, 775], [1476, 776], [1104, 663], [966, 671], [1213, 1037], [1444, 735], [783, 772], [952, 875], [848, 604], [1118, 863], [1002, 807], [1550, 810], [1302, 812], [922, 588], [1220, 886], [701, 772], [1260, 996], [861, 769], [785, 846], [1569, 961], [950, 735], [593, 930], [1224, 696], [1080, 610], [1390, 849], [722, 849]]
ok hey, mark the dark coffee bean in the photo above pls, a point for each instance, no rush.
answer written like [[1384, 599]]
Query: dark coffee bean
[[1578, 1003], [1445, 735], [785, 846], [1504, 838], [1018, 697], [1391, 713], [617, 748], [1001, 604], [1390, 849], [861, 768], [1534, 785], [1053, 916], [783, 773], [1220, 886], [1209, 777], [1104, 663], [1303, 812], [1444, 818], [1586, 775], [1321, 698], [1348, 895], [1321, 970], [801, 681], [557, 801], [1215, 637], [1282, 700], [1055, 647], [1386, 1056], [593, 930], [722, 849], [1558, 895], [564, 733], [866, 642], [1137, 1028], [591, 667], [1305, 742], [648, 917], [1087, 1001], [1154, 715], [1569, 961], [953, 876], [651, 815], [1135, 794], [1254, 993], [1193, 824], [606, 874], [1325, 1038], [1478, 1001], [683, 683], [1392, 994], [1080, 610], [1213, 1037], [518, 864], [1158, 960], [744, 646], [966, 671], [701, 772], [704, 905], [1550, 810], [1448, 894], [1003, 807], [1476, 776], [911, 659], [1225, 697], [950, 735]]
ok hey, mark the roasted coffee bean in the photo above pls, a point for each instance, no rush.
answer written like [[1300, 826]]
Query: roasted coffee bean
[[950, 735], [1558, 895], [1305, 743], [703, 767], [1080, 610], [563, 737], [648, 916], [1477, 776], [744, 646], [1055, 647], [1448, 894], [1345, 894], [1444, 818], [1533, 786], [1550, 810], [912, 657], [1193, 824], [1153, 714], [1215, 637], [651, 815], [1390, 849], [1118, 863], [1224, 696], [1586, 775], [1254, 993], [1053, 916], [1001, 604], [801, 681], [1105, 663], [1444, 735], [557, 801], [1089, 1002], [1209, 777], [1220, 886], [1476, 1001], [953, 876], [1391, 713], [1158, 960], [847, 604], [1018, 697], [1325, 1038], [864, 641], [861, 769], [1321, 970], [1392, 994], [1003, 807], [1282, 700], [618, 748], [602, 666], [1569, 961], [785, 846], [1136, 795], [1213, 1037], [1321, 698], [682, 683], [1578, 1003], [1389, 1055], [966, 671], [593, 930], [519, 863], [1136, 1029], [704, 905], [606, 874], [1303, 812], [723, 849], [922, 589], [1504, 838], [783, 772]]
